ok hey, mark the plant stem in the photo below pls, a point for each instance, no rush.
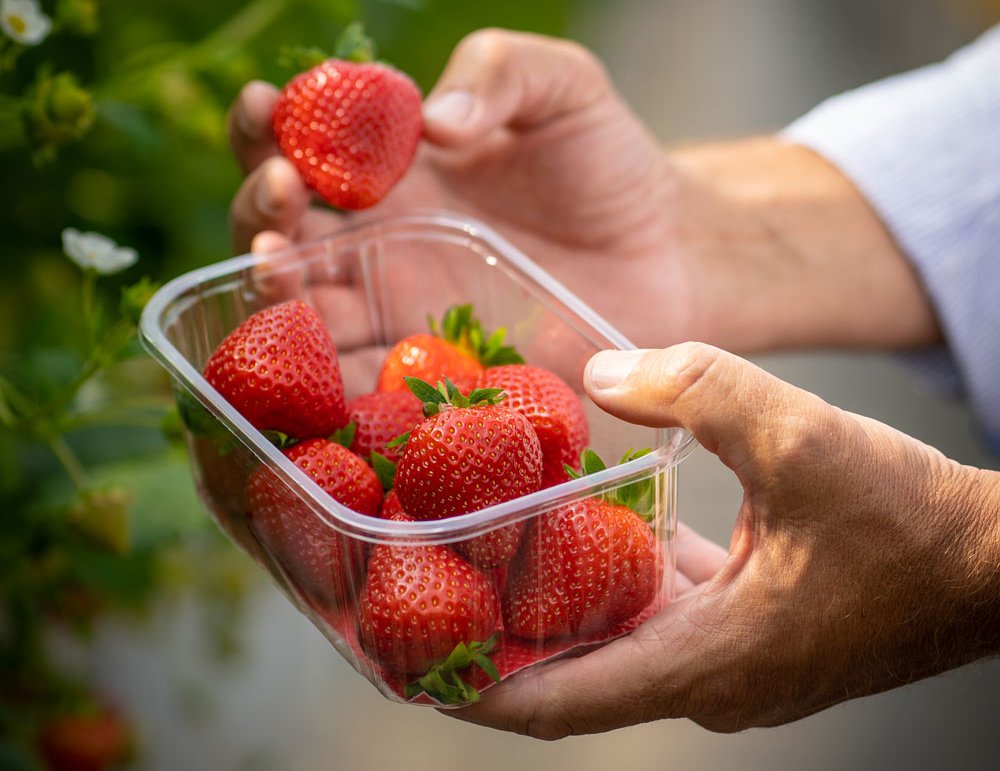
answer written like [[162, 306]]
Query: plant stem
[[74, 469], [89, 317]]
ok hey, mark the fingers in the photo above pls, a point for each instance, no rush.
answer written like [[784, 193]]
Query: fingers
[[499, 78], [626, 682], [698, 559], [273, 197], [249, 122], [733, 408]]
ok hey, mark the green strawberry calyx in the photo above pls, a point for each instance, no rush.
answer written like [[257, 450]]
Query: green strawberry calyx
[[443, 681], [384, 468], [640, 495], [460, 327], [352, 45], [447, 396]]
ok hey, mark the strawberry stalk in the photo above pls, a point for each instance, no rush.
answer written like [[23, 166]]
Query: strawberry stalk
[[640, 496], [353, 45], [446, 395], [460, 327], [443, 681]]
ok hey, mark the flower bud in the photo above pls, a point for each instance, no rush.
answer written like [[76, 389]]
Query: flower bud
[[57, 111], [102, 516]]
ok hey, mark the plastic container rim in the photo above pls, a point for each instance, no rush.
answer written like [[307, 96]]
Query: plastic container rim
[[343, 519]]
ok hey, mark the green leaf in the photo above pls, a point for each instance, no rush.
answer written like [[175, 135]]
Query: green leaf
[[280, 440], [354, 45], [399, 441], [591, 462], [344, 436], [424, 391], [443, 681], [384, 469], [301, 58]]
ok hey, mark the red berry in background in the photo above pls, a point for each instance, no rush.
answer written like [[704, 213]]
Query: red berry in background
[[350, 125], [280, 370], [553, 409], [458, 349], [429, 358], [379, 418], [324, 563], [91, 741]]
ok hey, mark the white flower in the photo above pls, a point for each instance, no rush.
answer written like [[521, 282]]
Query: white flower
[[92, 251], [24, 21]]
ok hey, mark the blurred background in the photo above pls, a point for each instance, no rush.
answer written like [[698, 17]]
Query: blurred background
[[128, 626]]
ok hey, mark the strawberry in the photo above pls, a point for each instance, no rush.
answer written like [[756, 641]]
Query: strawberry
[[470, 453], [426, 611], [349, 125], [552, 407], [458, 350], [325, 564], [279, 369], [584, 567], [90, 741], [379, 418]]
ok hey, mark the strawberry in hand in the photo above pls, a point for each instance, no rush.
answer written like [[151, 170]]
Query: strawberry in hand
[[459, 350], [585, 567], [470, 453], [280, 370], [350, 125]]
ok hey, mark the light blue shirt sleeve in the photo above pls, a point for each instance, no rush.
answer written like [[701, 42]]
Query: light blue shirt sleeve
[[924, 149]]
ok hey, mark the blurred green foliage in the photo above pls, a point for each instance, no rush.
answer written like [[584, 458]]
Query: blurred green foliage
[[115, 122]]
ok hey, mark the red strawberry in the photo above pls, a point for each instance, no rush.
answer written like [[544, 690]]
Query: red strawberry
[[392, 508], [552, 407], [458, 350], [350, 125], [279, 369], [85, 742], [582, 569], [473, 453], [325, 564], [379, 418], [426, 611]]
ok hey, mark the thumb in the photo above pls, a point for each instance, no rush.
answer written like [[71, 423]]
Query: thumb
[[520, 80], [732, 407]]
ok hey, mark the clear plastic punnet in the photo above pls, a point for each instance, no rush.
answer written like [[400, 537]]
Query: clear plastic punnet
[[595, 554]]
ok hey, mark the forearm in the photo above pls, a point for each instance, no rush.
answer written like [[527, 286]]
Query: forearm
[[785, 252]]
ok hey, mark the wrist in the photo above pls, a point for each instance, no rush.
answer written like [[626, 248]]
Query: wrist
[[971, 553], [785, 252]]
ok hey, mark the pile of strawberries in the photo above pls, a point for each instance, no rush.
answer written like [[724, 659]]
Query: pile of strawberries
[[455, 422]]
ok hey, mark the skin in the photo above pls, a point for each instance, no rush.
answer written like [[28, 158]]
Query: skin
[[861, 559]]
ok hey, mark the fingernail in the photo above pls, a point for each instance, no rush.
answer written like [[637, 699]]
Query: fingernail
[[249, 128], [452, 107], [266, 198], [607, 369]]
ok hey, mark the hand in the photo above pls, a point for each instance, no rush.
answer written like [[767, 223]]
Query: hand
[[523, 132], [752, 245], [861, 560]]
